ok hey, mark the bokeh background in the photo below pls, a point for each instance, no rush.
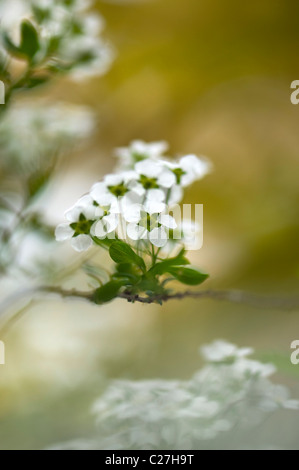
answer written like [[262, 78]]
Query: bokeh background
[[211, 78]]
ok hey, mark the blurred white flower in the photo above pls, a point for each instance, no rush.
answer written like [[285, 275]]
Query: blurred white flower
[[43, 131], [90, 56], [139, 150], [221, 350], [169, 414], [68, 36]]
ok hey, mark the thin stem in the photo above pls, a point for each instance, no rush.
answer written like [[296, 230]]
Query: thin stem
[[232, 296]]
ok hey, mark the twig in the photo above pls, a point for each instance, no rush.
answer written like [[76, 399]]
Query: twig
[[14, 319], [232, 296]]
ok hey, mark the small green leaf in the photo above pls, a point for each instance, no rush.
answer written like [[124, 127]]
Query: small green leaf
[[10, 46], [95, 272], [107, 292], [34, 82], [29, 39], [189, 276], [120, 252], [127, 270], [37, 181], [163, 266], [103, 242]]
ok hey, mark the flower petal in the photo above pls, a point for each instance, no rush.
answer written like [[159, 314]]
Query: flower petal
[[176, 195], [149, 168], [132, 214], [152, 207], [167, 178], [97, 190], [81, 243], [168, 221], [135, 232], [156, 195], [63, 232], [111, 222], [73, 214], [113, 179], [158, 237]]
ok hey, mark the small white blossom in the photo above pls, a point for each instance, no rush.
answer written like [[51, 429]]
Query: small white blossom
[[139, 150], [221, 350], [113, 187], [88, 218], [152, 175], [189, 169], [149, 222], [68, 35], [81, 218], [90, 56], [43, 130]]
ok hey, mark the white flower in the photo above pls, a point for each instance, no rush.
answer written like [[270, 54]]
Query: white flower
[[81, 218], [113, 188], [248, 367], [152, 175], [42, 131], [189, 169], [173, 414], [89, 56], [108, 220], [88, 218], [220, 351], [149, 222], [139, 150], [277, 396]]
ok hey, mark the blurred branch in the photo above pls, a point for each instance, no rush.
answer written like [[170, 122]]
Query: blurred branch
[[232, 296]]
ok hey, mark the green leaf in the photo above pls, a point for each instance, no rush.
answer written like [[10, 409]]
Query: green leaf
[[163, 266], [120, 252], [34, 82], [189, 276], [95, 272], [128, 270], [150, 286], [103, 242], [37, 181], [10, 46], [29, 39], [108, 291]]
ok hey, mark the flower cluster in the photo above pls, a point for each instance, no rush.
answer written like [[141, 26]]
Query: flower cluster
[[43, 131], [54, 36], [134, 202], [129, 213], [231, 392]]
